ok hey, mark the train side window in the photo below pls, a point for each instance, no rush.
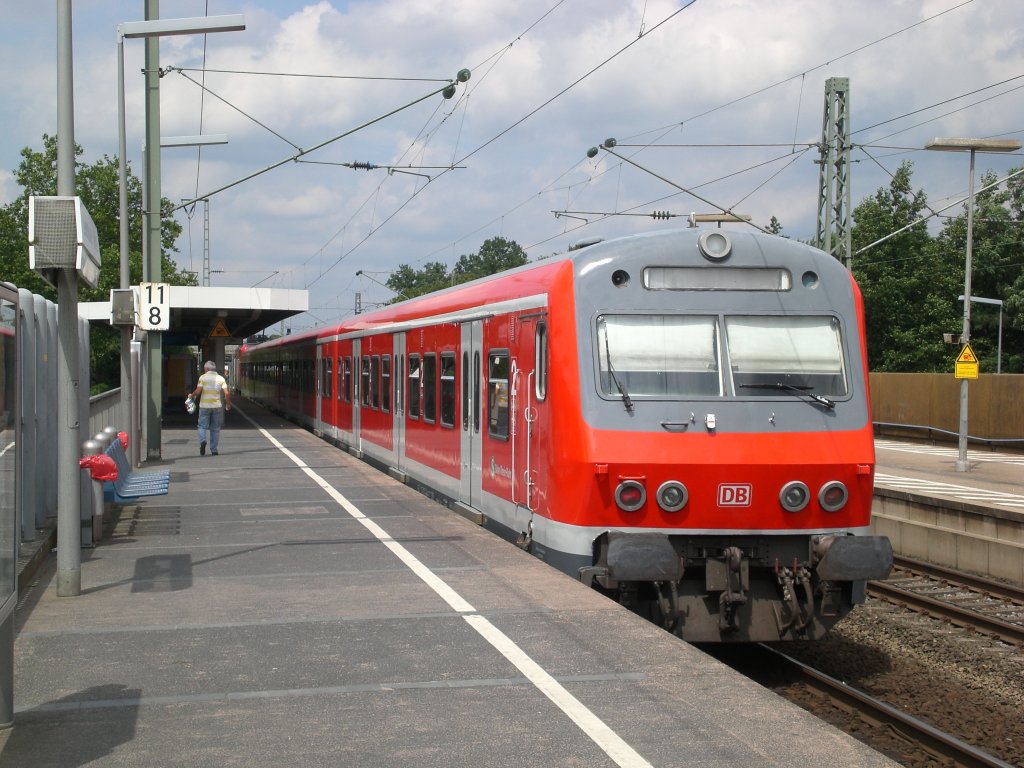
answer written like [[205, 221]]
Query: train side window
[[375, 382], [476, 393], [413, 390], [540, 363], [430, 387], [497, 394], [348, 379], [465, 391], [447, 389], [328, 380], [339, 366], [365, 381], [385, 383], [398, 384]]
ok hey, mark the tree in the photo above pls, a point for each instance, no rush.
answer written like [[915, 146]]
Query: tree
[[775, 226], [98, 185], [407, 283], [907, 283], [495, 255]]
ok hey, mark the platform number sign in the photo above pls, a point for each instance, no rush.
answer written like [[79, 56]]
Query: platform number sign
[[155, 306]]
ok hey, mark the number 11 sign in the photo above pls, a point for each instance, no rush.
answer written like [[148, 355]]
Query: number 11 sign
[[155, 309]]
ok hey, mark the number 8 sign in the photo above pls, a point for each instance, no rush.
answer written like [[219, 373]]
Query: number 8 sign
[[155, 306]]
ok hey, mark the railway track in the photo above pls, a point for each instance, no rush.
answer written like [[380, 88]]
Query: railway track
[[993, 608], [915, 733]]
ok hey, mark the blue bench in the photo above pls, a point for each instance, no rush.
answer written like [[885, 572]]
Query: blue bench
[[130, 485]]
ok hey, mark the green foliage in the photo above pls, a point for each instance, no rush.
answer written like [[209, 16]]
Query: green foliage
[[911, 281], [495, 255], [99, 187]]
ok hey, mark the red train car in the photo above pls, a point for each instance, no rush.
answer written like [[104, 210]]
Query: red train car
[[679, 419]]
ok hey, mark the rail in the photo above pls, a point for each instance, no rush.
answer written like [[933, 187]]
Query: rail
[[931, 739], [949, 609]]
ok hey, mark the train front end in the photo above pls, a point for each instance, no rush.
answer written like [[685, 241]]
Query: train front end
[[725, 446]]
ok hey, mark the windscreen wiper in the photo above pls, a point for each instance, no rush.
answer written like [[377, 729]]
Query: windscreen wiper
[[795, 390], [615, 379]]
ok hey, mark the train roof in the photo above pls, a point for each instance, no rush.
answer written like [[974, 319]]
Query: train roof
[[529, 279]]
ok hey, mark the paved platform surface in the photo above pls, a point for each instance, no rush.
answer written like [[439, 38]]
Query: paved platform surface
[[286, 604], [995, 478]]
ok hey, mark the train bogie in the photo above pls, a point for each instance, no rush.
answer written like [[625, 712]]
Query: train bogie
[[679, 419]]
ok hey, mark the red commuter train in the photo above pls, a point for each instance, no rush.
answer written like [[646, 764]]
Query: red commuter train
[[679, 419]]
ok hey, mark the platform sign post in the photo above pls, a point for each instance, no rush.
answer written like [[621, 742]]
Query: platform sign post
[[966, 365]]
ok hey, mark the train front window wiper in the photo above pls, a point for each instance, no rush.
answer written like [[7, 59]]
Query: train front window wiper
[[801, 391], [626, 401]]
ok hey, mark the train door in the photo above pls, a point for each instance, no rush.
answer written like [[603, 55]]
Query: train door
[[398, 397], [530, 343], [357, 394], [529, 389], [471, 389], [323, 415]]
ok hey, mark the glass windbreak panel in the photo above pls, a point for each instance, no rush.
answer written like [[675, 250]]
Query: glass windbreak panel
[[803, 352], [8, 454], [663, 356]]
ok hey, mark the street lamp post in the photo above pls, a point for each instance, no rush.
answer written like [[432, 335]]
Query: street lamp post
[[151, 28], [972, 146]]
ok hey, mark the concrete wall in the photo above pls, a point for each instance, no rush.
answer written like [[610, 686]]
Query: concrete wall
[[995, 403], [955, 534]]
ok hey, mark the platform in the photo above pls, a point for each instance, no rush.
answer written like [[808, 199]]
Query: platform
[[972, 521], [287, 604]]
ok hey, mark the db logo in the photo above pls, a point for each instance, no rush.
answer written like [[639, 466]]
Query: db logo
[[734, 494]]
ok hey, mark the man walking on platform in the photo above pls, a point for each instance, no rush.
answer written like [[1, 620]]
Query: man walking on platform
[[214, 399]]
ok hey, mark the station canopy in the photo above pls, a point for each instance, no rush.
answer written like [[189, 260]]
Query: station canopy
[[233, 314]]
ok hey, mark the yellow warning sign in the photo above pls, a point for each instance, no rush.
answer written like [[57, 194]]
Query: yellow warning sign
[[220, 331], [966, 364], [967, 355]]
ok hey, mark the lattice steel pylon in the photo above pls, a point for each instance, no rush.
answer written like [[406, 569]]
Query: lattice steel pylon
[[833, 234], [206, 242]]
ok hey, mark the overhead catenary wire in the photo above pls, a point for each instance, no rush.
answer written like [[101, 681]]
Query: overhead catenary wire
[[519, 122], [381, 223], [302, 152]]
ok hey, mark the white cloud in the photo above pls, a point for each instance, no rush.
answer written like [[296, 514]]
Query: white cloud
[[718, 78]]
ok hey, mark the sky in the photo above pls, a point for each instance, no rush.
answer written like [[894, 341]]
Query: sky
[[715, 104]]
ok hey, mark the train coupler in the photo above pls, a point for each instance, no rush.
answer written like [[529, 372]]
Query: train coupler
[[799, 615], [730, 576]]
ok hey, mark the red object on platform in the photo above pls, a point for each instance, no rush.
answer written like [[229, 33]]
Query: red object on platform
[[101, 466], [123, 437]]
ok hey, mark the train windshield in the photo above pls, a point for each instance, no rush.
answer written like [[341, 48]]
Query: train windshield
[[677, 356], [801, 352], [658, 355]]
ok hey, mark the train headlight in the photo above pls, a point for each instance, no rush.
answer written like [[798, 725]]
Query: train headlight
[[672, 496], [833, 496], [794, 496], [714, 245], [630, 495]]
